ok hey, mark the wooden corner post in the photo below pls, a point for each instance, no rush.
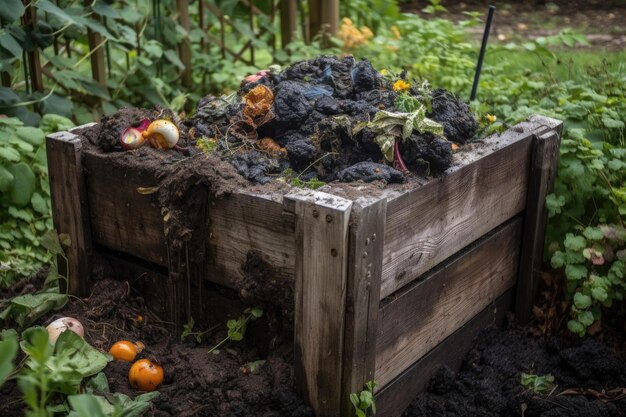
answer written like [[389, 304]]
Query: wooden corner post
[[365, 265], [69, 207], [321, 230], [543, 165]]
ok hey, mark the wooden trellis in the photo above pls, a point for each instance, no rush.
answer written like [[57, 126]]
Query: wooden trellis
[[215, 24]]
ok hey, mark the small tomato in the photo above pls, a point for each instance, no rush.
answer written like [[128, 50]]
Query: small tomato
[[125, 350], [145, 375]]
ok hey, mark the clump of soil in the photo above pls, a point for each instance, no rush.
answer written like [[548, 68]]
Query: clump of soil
[[488, 383]]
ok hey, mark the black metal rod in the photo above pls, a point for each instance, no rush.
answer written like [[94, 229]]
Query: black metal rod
[[481, 56]]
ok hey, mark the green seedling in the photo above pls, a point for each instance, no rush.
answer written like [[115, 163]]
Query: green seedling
[[540, 384], [364, 401], [237, 328]]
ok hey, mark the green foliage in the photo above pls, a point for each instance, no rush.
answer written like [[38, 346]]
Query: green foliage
[[27, 308], [98, 401], [290, 177], [8, 351], [141, 39], [364, 402], [595, 267], [541, 384], [25, 214], [189, 332], [50, 371], [236, 329], [371, 13]]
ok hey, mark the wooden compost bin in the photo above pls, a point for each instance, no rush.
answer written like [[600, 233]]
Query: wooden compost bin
[[387, 286]]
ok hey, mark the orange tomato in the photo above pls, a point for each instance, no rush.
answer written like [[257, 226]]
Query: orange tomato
[[145, 375], [125, 350]]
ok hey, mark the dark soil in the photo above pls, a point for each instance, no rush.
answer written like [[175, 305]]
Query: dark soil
[[196, 383], [602, 21], [308, 114], [488, 384], [589, 376]]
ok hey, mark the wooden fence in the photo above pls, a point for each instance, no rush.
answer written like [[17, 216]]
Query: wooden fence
[[310, 16]]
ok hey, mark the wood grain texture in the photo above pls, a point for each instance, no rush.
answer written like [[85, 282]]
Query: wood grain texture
[[132, 223], [415, 320], [365, 262], [429, 224], [241, 223], [393, 399], [321, 224], [542, 174], [121, 218], [70, 210]]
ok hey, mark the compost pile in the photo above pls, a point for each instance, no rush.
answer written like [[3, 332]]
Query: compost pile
[[328, 119], [335, 119]]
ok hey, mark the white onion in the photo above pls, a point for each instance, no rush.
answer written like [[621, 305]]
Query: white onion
[[60, 325], [162, 134]]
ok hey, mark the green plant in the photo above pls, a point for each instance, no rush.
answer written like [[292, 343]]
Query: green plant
[[540, 384], [595, 267], [236, 329], [188, 331], [291, 178], [25, 213], [364, 402], [8, 351], [49, 370], [27, 308]]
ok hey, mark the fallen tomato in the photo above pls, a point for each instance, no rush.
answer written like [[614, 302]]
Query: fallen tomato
[[125, 350], [145, 375]]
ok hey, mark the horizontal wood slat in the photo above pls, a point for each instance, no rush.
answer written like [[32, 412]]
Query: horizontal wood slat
[[429, 224], [393, 399], [414, 321]]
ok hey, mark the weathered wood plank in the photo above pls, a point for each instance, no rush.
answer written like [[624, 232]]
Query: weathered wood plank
[[393, 399], [70, 210], [542, 174], [241, 223], [429, 224], [414, 321], [238, 223], [121, 218], [321, 223], [365, 263]]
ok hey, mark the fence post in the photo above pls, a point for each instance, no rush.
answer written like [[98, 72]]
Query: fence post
[[323, 18], [321, 230], [34, 64], [97, 52], [185, 48], [288, 24]]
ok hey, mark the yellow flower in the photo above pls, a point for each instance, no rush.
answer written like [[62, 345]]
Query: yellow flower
[[367, 32], [352, 36], [395, 31], [491, 118], [384, 72], [400, 85]]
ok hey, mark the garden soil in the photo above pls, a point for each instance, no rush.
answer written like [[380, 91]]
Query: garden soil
[[197, 383], [226, 383], [488, 384]]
